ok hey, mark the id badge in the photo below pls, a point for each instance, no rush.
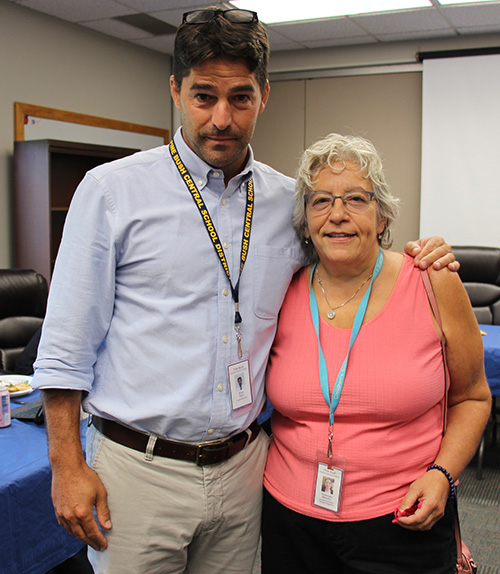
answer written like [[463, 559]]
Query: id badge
[[240, 384], [329, 478]]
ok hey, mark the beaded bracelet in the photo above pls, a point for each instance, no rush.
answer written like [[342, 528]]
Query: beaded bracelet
[[453, 491]]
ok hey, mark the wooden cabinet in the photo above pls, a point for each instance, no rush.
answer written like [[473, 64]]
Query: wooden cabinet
[[46, 175]]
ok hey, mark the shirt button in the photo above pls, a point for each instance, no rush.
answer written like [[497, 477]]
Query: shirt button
[[224, 339], [223, 201], [225, 292], [225, 245], [200, 183], [216, 173], [210, 431], [220, 387]]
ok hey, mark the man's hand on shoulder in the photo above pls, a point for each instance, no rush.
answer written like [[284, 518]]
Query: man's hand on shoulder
[[432, 251]]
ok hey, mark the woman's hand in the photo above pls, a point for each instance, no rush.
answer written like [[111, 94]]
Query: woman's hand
[[431, 490]]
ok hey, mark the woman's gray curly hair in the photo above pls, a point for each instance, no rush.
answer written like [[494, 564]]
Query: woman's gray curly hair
[[361, 153]]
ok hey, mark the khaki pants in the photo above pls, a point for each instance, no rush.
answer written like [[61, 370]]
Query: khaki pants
[[173, 517]]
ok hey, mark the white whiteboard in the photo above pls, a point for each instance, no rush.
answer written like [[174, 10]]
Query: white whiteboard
[[36, 128], [460, 188]]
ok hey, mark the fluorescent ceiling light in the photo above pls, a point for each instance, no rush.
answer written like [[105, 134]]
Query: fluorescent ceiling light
[[446, 2], [273, 11]]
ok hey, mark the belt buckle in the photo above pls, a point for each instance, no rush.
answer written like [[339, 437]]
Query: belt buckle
[[214, 447]]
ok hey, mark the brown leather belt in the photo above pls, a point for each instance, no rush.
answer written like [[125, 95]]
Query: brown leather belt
[[201, 454]]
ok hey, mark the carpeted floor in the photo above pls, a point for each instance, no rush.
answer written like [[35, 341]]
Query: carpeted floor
[[479, 510]]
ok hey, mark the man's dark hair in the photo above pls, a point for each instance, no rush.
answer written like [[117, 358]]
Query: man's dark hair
[[220, 38]]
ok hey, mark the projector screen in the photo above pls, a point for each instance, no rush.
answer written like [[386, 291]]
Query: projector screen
[[460, 188]]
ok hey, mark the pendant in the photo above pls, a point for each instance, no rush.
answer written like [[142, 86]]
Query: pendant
[[331, 314]]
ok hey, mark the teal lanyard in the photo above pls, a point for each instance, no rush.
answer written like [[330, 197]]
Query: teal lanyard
[[358, 321]]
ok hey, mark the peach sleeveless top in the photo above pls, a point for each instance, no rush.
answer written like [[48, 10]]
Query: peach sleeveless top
[[388, 424]]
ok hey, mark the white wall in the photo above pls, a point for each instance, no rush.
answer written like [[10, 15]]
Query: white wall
[[48, 62]]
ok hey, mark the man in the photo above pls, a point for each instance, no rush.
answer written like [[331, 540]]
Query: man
[[149, 323]]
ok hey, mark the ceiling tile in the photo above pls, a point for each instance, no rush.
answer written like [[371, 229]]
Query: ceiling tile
[[279, 41], [164, 44], [480, 15], [470, 30], [332, 28], [78, 11], [425, 34], [411, 21], [352, 41], [172, 11], [434, 22], [117, 29], [172, 17], [148, 23], [157, 5]]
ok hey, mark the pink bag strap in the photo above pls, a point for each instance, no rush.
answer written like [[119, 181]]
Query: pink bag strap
[[435, 311], [432, 299]]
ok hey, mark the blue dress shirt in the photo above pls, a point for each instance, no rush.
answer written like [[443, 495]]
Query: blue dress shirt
[[140, 314]]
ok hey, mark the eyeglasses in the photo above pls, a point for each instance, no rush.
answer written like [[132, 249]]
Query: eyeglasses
[[354, 201], [232, 15]]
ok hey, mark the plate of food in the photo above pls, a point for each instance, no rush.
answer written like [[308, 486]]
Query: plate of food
[[17, 385]]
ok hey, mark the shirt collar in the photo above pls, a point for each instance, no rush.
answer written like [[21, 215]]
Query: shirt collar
[[200, 170]]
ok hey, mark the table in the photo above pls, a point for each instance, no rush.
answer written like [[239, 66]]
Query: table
[[491, 342], [31, 540]]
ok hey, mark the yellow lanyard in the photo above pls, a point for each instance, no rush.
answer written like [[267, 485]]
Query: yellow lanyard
[[214, 236]]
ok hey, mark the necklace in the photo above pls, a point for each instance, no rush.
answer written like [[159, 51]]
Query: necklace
[[331, 313]]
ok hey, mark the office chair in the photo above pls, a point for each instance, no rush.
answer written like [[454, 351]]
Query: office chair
[[23, 300]]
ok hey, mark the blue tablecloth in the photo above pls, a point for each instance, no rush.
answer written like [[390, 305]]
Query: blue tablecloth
[[31, 541], [491, 342]]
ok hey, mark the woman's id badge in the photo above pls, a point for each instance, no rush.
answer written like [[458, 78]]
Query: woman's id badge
[[329, 477]]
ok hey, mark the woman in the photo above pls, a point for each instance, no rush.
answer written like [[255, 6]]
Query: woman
[[357, 381]]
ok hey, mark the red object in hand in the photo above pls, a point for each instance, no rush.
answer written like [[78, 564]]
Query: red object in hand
[[407, 512]]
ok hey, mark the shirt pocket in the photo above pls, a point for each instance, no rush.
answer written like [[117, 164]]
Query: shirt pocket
[[274, 269]]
